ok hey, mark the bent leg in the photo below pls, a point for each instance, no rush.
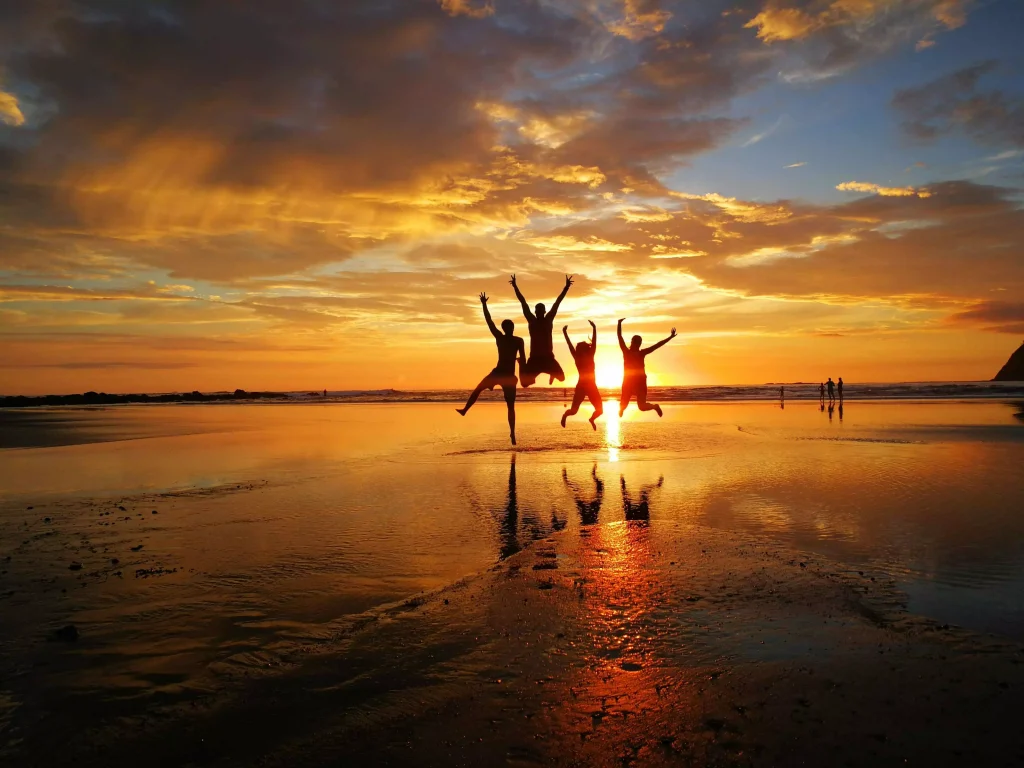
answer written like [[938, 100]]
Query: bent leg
[[527, 373], [485, 383], [577, 401], [641, 398], [595, 400], [554, 371]]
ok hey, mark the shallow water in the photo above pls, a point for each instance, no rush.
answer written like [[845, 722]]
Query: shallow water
[[275, 522]]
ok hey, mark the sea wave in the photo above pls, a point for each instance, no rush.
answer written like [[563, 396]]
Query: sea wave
[[794, 391]]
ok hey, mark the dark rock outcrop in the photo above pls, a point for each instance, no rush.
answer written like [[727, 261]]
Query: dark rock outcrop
[[1014, 368]]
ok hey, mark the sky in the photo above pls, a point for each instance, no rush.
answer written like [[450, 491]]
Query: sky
[[312, 194]]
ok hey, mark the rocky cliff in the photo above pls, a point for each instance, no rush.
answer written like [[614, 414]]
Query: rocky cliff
[[1014, 368]]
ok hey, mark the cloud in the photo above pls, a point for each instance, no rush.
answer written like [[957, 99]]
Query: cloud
[[757, 137], [862, 186], [953, 104], [801, 164], [998, 316], [10, 111], [468, 8]]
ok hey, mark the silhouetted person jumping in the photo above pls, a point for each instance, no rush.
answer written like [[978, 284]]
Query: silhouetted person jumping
[[510, 348], [831, 390], [634, 375], [586, 386], [542, 353]]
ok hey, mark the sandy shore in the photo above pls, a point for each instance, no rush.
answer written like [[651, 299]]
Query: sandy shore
[[606, 649], [726, 586]]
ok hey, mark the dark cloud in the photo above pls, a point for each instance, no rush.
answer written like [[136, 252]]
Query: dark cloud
[[954, 103], [999, 316]]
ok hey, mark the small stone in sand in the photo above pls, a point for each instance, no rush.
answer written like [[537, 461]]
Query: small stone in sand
[[75, 567], [114, 561], [67, 634], [137, 548]]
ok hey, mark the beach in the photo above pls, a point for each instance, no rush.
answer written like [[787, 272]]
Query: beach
[[324, 584]]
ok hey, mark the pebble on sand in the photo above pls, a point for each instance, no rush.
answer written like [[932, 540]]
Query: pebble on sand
[[75, 566], [67, 634]]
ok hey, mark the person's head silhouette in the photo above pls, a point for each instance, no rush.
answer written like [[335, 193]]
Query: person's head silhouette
[[539, 310], [508, 326], [635, 342]]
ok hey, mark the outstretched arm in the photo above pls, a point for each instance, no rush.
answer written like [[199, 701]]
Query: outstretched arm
[[487, 316], [565, 332], [593, 335], [558, 301], [622, 344], [661, 343], [522, 300]]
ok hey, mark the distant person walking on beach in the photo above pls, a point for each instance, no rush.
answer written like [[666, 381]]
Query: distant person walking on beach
[[510, 348], [821, 394], [782, 394], [542, 354], [586, 386], [831, 391], [634, 375], [839, 387]]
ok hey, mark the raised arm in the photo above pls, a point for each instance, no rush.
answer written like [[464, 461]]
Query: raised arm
[[565, 332], [618, 330], [558, 301], [522, 299], [661, 343], [487, 316], [593, 335]]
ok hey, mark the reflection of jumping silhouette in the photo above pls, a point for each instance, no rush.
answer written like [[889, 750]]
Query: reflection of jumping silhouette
[[588, 509], [542, 353], [642, 509], [831, 390], [840, 410], [504, 374], [839, 388], [586, 386], [510, 518], [634, 376], [831, 408]]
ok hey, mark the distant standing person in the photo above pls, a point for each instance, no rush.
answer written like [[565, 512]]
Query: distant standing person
[[542, 353], [782, 393], [325, 393], [839, 387], [634, 374], [510, 348], [586, 386], [821, 394], [831, 390]]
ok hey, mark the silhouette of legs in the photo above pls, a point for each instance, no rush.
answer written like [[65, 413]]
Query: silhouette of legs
[[577, 400], [642, 509], [510, 403], [534, 367], [484, 384], [641, 398], [628, 391], [595, 400], [586, 391]]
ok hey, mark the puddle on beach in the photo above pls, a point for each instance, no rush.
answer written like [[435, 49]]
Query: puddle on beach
[[180, 539]]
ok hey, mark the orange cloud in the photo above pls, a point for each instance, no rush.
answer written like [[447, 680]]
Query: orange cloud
[[862, 186]]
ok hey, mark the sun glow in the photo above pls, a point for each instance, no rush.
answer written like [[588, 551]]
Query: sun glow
[[611, 430], [608, 374]]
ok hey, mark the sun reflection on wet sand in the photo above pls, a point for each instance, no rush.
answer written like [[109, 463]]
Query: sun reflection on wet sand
[[611, 434]]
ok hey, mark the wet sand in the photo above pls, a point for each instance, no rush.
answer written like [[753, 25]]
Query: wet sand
[[639, 609]]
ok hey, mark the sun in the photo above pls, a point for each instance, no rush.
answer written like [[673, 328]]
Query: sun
[[608, 374]]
